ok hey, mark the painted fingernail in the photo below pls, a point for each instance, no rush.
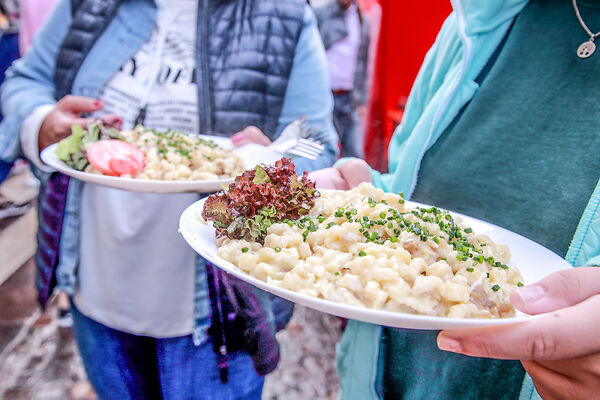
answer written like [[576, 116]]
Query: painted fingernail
[[97, 103], [531, 293], [447, 344]]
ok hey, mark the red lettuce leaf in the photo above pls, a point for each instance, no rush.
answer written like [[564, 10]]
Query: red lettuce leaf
[[258, 198]]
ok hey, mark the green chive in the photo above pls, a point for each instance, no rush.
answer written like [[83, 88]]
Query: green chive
[[520, 284], [470, 269], [244, 249], [278, 249], [495, 288], [362, 253]]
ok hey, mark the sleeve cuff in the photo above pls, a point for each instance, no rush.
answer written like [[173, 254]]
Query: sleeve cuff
[[29, 135]]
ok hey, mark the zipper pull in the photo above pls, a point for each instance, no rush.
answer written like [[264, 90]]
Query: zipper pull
[[223, 366], [139, 120]]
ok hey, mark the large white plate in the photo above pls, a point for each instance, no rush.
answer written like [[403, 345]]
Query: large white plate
[[533, 260], [251, 154]]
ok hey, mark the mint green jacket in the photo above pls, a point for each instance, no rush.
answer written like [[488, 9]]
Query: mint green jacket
[[445, 83]]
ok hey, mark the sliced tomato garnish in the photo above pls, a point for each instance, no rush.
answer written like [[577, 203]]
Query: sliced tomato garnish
[[116, 157]]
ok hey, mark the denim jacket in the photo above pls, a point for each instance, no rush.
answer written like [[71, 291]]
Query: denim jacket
[[445, 83], [29, 85]]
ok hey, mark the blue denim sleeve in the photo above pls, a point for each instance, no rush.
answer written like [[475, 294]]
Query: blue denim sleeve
[[308, 93], [30, 80]]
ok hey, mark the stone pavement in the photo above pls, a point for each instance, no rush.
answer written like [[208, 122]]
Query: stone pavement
[[42, 363], [307, 366], [39, 360]]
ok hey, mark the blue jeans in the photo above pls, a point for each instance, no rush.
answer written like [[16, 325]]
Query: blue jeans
[[122, 366], [348, 125]]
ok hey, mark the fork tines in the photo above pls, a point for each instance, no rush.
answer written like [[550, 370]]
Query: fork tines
[[307, 148]]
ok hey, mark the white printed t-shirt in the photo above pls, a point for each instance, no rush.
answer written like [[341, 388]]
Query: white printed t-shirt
[[136, 272]]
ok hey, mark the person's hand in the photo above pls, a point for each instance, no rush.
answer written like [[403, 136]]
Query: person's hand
[[68, 112], [329, 178], [250, 134], [345, 4], [561, 350], [346, 176], [362, 112]]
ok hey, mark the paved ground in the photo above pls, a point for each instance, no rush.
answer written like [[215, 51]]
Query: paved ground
[[39, 360], [42, 363], [307, 366]]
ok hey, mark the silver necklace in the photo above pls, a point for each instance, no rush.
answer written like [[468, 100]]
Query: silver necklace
[[588, 47]]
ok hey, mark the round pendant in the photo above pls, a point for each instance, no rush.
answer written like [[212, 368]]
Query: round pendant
[[586, 49]]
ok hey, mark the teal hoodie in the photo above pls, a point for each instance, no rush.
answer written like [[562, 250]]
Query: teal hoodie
[[445, 83]]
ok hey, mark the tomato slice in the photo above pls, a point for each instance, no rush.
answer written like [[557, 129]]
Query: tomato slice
[[115, 157]]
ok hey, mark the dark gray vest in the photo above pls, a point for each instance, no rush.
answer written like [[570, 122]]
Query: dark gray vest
[[245, 51]]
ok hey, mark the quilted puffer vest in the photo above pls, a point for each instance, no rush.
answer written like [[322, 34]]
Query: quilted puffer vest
[[244, 50]]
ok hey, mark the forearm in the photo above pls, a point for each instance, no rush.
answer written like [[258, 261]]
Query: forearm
[[29, 82]]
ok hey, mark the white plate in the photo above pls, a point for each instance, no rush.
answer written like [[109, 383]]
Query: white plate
[[533, 260], [252, 154]]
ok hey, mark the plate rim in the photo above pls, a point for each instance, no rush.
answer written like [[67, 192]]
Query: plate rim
[[409, 321], [48, 156]]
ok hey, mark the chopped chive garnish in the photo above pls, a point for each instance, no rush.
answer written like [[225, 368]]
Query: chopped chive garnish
[[244, 249]]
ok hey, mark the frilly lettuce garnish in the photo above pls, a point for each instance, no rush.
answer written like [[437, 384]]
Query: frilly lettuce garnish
[[73, 149], [259, 198]]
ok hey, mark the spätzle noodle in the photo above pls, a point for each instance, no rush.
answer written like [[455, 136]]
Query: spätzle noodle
[[363, 248], [174, 156]]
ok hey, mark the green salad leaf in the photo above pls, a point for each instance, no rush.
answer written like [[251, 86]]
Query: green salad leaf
[[73, 149]]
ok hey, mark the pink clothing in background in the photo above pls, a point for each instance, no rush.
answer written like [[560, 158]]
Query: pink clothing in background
[[342, 56], [33, 14]]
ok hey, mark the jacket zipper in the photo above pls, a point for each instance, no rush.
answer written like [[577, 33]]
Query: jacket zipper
[[206, 127]]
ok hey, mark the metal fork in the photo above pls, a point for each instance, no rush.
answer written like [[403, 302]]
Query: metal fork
[[298, 138]]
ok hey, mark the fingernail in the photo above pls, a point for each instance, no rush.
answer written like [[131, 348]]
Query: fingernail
[[531, 293], [447, 344], [97, 103]]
